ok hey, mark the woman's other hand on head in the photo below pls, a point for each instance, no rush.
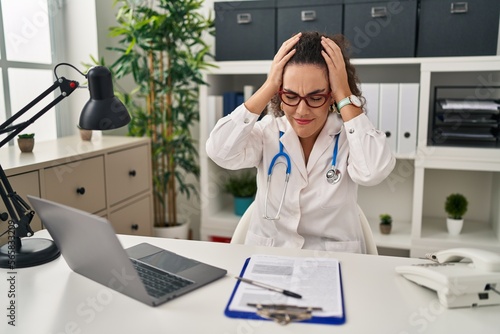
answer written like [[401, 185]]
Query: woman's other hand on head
[[259, 100], [336, 69], [285, 52]]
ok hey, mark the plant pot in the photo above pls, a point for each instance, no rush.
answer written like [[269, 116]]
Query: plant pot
[[454, 225], [85, 135], [26, 144], [385, 228], [180, 231], [241, 204]]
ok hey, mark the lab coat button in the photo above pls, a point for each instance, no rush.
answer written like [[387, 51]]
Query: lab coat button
[[246, 121], [351, 130]]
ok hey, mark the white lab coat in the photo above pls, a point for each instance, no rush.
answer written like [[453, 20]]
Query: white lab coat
[[315, 214]]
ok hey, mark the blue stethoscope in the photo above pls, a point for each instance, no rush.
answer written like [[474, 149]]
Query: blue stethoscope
[[333, 175]]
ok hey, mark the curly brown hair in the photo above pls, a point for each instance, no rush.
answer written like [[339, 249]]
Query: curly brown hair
[[309, 52]]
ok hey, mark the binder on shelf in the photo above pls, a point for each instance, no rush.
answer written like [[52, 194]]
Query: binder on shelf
[[317, 280], [408, 118], [231, 101], [214, 112], [370, 92], [388, 111]]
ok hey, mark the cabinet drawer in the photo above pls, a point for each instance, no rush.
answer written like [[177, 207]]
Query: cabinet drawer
[[245, 30], [380, 29], [324, 16], [133, 219], [458, 28], [78, 184], [127, 173]]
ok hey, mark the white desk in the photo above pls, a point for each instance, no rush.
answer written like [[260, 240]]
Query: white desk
[[51, 299]]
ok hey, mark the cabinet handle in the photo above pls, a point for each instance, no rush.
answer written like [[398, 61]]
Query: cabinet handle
[[244, 18], [134, 227], [379, 11], [132, 173], [308, 15], [80, 190], [388, 134], [459, 7], [407, 135]]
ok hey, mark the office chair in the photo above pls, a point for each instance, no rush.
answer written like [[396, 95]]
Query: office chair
[[371, 247], [241, 230]]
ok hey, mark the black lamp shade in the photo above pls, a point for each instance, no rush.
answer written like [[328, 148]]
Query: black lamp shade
[[103, 111]]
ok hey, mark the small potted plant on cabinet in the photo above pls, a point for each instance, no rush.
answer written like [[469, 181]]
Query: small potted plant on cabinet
[[243, 187], [26, 142], [455, 207], [85, 135], [385, 223]]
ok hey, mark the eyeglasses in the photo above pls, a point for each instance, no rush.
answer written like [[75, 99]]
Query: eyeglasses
[[312, 100]]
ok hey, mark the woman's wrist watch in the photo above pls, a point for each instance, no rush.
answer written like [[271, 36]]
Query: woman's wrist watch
[[352, 99]]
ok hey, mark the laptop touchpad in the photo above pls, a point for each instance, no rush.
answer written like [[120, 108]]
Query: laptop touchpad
[[169, 261]]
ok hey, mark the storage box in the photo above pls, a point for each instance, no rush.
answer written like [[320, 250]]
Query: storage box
[[381, 29], [245, 30], [293, 16], [458, 28]]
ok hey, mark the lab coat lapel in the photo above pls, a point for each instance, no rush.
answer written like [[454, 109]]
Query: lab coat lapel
[[292, 146], [325, 139]]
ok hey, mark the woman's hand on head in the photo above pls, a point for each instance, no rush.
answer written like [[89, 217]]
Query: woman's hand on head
[[281, 58], [337, 73], [259, 100]]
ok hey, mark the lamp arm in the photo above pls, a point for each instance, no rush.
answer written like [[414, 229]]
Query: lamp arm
[[67, 87], [19, 211]]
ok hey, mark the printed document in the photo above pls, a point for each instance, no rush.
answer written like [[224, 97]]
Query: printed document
[[317, 280]]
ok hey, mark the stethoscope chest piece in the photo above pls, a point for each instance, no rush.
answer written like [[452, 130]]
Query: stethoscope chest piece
[[333, 175]]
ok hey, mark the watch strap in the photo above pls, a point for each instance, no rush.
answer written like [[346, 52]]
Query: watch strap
[[342, 103]]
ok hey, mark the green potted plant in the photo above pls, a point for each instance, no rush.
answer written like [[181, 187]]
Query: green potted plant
[[243, 187], [162, 46], [26, 142], [455, 207], [385, 223]]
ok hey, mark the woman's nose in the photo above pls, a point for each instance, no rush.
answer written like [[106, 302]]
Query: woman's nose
[[302, 108]]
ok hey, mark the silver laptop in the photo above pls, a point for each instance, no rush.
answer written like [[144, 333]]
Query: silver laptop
[[144, 272]]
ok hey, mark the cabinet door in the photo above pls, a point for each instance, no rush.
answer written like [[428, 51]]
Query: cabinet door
[[133, 219], [127, 173], [22, 184], [78, 184]]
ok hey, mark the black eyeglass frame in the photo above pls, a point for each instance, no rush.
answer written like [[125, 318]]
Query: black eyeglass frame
[[326, 96]]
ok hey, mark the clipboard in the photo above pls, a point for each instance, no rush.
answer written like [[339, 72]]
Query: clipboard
[[327, 320]]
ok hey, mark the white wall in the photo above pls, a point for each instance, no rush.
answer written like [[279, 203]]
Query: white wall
[[80, 40]]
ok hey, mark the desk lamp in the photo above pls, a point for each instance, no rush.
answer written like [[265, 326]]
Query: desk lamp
[[103, 111]]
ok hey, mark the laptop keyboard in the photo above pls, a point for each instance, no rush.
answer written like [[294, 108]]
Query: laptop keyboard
[[159, 283]]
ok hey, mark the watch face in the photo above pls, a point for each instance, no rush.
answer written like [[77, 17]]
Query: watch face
[[355, 100]]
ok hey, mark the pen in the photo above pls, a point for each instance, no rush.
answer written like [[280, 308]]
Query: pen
[[269, 287]]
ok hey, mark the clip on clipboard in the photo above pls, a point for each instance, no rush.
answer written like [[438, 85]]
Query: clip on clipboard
[[323, 303], [284, 314]]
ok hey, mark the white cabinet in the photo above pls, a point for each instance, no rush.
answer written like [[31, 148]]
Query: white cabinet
[[108, 176], [415, 192]]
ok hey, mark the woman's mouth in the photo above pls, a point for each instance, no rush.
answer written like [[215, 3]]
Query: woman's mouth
[[301, 121]]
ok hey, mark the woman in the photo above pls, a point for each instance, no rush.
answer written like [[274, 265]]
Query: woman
[[332, 146]]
